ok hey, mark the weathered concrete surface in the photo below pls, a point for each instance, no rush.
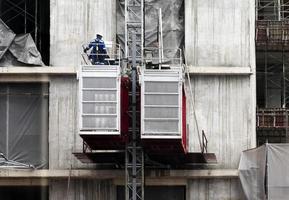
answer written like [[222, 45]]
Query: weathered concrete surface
[[118, 174], [63, 124], [215, 189], [75, 22], [219, 32], [223, 106], [82, 190]]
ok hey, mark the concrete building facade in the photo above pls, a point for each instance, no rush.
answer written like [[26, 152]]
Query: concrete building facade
[[220, 54]]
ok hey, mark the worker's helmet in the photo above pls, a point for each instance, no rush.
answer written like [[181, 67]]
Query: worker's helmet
[[98, 36]]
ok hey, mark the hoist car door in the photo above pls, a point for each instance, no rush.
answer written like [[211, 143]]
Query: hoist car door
[[99, 100]]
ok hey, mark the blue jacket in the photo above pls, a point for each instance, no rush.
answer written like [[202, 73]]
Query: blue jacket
[[97, 44]]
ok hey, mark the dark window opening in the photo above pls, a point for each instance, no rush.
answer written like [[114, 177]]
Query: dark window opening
[[272, 79], [24, 193], [272, 96], [29, 16], [271, 136], [158, 193]]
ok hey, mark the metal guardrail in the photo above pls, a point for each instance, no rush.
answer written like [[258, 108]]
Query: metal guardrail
[[272, 118], [112, 57], [204, 142], [171, 58], [272, 31]]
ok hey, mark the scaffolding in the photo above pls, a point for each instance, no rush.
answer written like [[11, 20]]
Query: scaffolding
[[134, 156], [134, 24], [272, 10], [272, 64], [134, 43], [272, 70]]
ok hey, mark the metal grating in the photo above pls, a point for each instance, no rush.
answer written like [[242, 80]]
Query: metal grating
[[100, 99], [161, 104]]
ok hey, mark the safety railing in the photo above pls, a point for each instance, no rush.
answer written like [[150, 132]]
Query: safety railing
[[204, 142], [156, 58], [112, 56], [272, 118], [272, 34]]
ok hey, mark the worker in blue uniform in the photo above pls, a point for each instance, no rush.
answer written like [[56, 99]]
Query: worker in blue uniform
[[98, 53]]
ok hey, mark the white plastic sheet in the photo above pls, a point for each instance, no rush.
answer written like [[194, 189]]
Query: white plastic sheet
[[252, 173], [278, 171], [264, 172]]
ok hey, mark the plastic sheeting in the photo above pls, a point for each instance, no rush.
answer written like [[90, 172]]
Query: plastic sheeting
[[24, 123], [259, 181], [278, 171], [252, 173], [6, 38], [173, 24], [19, 50], [24, 49]]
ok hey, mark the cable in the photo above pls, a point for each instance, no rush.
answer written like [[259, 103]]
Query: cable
[[191, 99]]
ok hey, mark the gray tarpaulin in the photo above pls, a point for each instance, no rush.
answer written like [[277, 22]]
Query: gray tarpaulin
[[173, 23], [19, 50], [24, 49], [258, 180], [278, 171], [6, 38], [24, 123]]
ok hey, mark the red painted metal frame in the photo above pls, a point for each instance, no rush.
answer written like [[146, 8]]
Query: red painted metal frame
[[184, 122]]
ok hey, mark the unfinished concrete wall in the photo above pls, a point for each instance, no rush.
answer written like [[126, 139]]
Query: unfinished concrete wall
[[223, 106], [218, 33], [63, 123], [82, 190], [75, 22], [214, 189], [221, 33]]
